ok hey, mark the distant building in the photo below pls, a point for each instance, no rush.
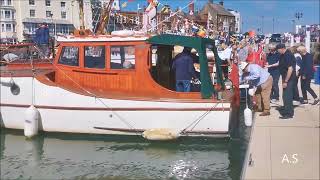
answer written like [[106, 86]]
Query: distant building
[[216, 18], [314, 31], [19, 19], [314, 28], [8, 31], [128, 20], [237, 20]]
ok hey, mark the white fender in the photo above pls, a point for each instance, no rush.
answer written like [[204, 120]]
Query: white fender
[[160, 134], [252, 91], [248, 117], [32, 116]]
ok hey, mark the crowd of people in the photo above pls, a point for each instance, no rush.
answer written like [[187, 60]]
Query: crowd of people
[[291, 65], [263, 67]]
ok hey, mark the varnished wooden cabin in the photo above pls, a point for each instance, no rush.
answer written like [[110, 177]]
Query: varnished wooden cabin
[[129, 68]]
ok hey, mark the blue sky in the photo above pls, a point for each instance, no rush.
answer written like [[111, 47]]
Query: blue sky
[[252, 11]]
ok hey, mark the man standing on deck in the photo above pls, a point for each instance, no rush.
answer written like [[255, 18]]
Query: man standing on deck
[[184, 70], [262, 80], [42, 39], [286, 68]]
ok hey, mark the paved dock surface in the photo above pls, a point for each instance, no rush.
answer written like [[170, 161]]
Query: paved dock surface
[[285, 149]]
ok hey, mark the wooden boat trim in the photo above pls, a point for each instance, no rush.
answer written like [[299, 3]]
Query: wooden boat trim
[[102, 38], [114, 108], [95, 72]]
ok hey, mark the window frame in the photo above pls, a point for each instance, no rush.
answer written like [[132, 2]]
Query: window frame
[[65, 13], [8, 25], [5, 14], [34, 12], [105, 57], [50, 16], [79, 57], [124, 45], [47, 3], [32, 4], [3, 27], [63, 2]]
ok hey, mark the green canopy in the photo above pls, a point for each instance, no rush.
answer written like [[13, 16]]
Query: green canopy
[[200, 45]]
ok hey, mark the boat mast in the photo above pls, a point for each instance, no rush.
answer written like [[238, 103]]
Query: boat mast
[[82, 26], [104, 18]]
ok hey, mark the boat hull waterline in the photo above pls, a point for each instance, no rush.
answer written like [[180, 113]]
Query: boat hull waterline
[[65, 111]]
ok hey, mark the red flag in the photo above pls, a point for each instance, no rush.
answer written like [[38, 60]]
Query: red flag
[[234, 77], [130, 0], [191, 7]]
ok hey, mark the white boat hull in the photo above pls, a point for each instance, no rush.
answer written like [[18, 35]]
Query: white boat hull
[[64, 111]]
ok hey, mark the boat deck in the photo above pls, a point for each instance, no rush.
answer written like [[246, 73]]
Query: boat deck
[[285, 149], [21, 69]]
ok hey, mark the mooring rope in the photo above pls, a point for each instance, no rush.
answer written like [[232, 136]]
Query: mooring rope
[[200, 118]]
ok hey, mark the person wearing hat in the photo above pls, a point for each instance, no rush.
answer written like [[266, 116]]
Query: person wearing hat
[[260, 79], [272, 65], [286, 68], [306, 72], [184, 70]]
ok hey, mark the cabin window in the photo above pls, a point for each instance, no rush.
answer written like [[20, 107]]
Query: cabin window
[[94, 57], [154, 56], [122, 57], [69, 56]]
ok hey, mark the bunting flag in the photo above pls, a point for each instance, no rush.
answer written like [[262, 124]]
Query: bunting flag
[[191, 7], [123, 5]]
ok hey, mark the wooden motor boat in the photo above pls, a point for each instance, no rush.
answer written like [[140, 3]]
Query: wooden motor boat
[[116, 85]]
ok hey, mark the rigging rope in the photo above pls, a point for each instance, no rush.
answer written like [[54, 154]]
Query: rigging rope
[[172, 15], [138, 22]]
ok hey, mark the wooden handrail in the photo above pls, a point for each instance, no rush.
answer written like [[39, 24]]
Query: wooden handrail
[[95, 72]]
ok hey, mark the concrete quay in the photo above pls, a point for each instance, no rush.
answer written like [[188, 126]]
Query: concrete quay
[[285, 149]]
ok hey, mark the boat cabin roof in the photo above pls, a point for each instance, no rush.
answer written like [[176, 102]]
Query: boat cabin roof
[[101, 38], [186, 41]]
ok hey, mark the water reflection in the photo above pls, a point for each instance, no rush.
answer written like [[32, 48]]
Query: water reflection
[[68, 156]]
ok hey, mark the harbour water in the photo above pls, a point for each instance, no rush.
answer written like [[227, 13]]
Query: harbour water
[[76, 156]]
